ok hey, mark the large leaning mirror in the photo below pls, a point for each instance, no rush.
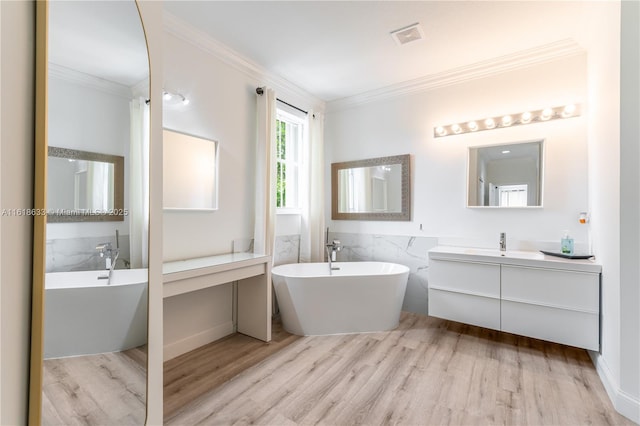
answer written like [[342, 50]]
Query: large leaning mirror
[[372, 189], [90, 292], [508, 175]]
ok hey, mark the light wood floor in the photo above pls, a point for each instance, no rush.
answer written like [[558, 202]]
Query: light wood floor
[[195, 373], [426, 372], [104, 389]]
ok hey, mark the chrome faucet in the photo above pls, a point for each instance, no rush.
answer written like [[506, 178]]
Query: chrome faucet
[[332, 249], [111, 256], [503, 241]]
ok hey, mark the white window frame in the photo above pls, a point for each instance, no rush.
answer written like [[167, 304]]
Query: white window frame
[[301, 122]]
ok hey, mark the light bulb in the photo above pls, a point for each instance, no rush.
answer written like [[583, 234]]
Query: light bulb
[[568, 110], [441, 131], [546, 114], [473, 126], [185, 101], [167, 96], [456, 128], [506, 120], [526, 117], [490, 123]]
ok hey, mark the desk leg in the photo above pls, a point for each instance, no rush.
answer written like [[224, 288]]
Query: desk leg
[[254, 306]]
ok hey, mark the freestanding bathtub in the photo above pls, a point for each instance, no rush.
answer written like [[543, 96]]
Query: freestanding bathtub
[[85, 315], [359, 297]]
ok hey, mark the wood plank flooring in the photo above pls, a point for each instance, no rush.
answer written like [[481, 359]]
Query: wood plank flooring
[[195, 373], [103, 389], [426, 372]]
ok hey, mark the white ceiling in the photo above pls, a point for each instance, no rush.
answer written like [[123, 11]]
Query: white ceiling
[[104, 39], [337, 49], [331, 49]]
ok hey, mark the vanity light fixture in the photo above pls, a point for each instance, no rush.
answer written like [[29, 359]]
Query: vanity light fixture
[[508, 120], [174, 98]]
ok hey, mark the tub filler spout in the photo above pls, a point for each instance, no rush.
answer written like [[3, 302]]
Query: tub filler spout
[[332, 248]]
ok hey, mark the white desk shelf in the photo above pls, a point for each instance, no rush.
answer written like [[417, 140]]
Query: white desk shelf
[[251, 271]]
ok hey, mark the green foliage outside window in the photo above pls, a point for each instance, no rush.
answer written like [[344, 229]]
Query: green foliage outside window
[[281, 145]]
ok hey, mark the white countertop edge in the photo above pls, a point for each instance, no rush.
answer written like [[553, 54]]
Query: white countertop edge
[[514, 257], [221, 261]]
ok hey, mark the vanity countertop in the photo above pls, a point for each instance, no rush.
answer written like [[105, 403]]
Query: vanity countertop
[[209, 261], [513, 257]]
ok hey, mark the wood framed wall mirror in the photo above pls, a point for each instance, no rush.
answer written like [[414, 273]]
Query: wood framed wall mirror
[[84, 186], [372, 189], [90, 276], [506, 175]]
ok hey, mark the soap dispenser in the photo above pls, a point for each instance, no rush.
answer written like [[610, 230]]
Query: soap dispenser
[[566, 243]]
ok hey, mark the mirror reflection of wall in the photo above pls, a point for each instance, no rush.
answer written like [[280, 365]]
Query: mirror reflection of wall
[[371, 189], [190, 172], [375, 189], [505, 175]]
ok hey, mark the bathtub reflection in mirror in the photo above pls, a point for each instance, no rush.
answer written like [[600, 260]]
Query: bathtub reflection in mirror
[[88, 361]]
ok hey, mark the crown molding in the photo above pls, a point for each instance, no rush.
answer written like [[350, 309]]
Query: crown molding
[[186, 32], [88, 80], [522, 59]]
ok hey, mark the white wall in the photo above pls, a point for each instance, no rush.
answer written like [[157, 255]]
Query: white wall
[[604, 183], [17, 36], [222, 108], [630, 203], [405, 125]]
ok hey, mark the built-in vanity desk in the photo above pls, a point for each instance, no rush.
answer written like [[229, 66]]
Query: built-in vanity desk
[[252, 272], [525, 293]]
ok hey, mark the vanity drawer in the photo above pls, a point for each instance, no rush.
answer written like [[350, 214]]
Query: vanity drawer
[[574, 328], [481, 279], [579, 291], [465, 308]]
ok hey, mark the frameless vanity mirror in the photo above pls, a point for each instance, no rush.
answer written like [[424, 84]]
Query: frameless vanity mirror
[[507, 175], [372, 189], [84, 186], [190, 172]]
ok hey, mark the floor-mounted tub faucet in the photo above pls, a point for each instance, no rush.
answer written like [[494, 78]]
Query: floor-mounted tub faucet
[[111, 256], [332, 248]]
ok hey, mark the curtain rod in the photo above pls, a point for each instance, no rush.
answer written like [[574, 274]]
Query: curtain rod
[[260, 91]]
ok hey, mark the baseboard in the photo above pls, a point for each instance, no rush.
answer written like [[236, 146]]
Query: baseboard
[[190, 343], [625, 404]]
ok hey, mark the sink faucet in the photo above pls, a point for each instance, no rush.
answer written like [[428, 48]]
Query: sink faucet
[[111, 256], [503, 241], [332, 249]]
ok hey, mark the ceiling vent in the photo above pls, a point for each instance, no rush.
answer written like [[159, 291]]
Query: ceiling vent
[[408, 34]]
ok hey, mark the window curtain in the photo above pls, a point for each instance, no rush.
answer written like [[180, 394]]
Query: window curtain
[[312, 221], [265, 220], [139, 184]]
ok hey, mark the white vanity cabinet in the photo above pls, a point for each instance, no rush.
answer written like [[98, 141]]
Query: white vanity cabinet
[[559, 306], [466, 292], [525, 293]]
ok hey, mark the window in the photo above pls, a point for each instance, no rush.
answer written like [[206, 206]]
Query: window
[[513, 195], [289, 136]]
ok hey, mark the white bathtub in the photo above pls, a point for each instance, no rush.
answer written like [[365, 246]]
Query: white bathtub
[[83, 315], [360, 297]]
